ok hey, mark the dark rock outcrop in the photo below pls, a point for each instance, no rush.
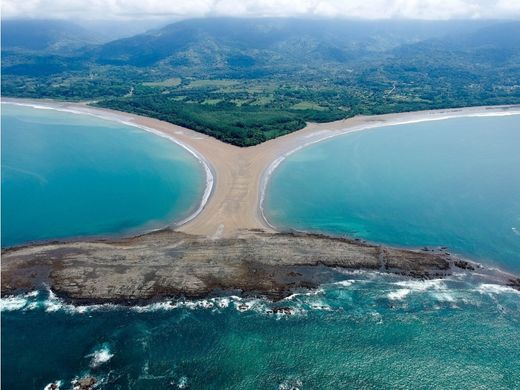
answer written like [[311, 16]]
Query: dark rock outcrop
[[170, 264]]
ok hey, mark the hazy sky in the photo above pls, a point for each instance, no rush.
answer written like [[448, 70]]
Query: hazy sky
[[176, 9]]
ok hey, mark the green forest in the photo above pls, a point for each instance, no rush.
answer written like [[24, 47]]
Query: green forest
[[244, 87]]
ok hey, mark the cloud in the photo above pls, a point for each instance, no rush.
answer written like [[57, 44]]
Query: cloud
[[367, 9]]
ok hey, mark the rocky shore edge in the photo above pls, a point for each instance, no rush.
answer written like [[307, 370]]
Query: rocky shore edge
[[171, 264]]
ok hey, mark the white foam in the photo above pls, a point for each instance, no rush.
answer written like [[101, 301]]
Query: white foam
[[100, 356], [488, 288], [57, 384], [345, 283], [32, 294], [240, 304], [422, 285], [444, 296], [183, 383], [158, 306], [409, 286], [290, 384], [399, 295], [320, 305], [13, 303], [17, 302], [222, 302], [317, 291]]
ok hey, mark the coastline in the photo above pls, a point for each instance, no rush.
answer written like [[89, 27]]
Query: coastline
[[437, 115], [235, 192], [228, 236], [208, 170], [169, 264]]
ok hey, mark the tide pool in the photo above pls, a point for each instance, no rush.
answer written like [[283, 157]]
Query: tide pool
[[68, 175], [452, 182]]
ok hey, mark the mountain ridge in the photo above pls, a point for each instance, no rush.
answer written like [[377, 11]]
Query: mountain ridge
[[245, 81]]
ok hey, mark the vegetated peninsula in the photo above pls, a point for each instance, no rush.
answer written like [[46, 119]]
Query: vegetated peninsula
[[245, 81]]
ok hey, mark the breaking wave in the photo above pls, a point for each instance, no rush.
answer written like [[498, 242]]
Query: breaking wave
[[357, 290], [100, 356]]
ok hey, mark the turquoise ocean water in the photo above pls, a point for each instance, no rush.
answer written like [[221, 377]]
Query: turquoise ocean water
[[453, 183], [66, 175], [366, 331]]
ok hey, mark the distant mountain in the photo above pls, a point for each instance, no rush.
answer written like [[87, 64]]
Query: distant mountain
[[248, 42], [502, 36], [488, 45], [248, 80], [45, 35]]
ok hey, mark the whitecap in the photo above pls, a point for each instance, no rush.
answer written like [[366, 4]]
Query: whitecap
[[345, 283], [320, 305], [100, 356], [488, 288], [54, 304], [57, 384], [32, 294], [256, 305], [12, 303], [422, 285], [183, 383], [317, 291], [444, 296], [18, 302], [222, 302], [166, 305], [399, 295], [290, 385], [436, 287]]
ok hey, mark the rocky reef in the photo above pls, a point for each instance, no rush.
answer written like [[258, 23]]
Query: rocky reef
[[168, 263]]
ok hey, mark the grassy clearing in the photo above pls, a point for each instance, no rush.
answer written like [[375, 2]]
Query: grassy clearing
[[212, 102], [212, 83], [172, 82], [308, 106]]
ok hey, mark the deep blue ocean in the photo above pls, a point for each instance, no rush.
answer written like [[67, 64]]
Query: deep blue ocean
[[366, 331]]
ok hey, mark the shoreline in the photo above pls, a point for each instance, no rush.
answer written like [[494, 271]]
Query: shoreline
[[169, 264], [453, 113], [234, 195], [230, 220], [208, 169]]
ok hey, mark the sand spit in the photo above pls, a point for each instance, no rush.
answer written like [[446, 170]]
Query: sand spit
[[237, 177], [227, 244]]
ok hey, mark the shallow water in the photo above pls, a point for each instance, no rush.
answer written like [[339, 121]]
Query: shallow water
[[453, 183], [367, 332], [66, 175]]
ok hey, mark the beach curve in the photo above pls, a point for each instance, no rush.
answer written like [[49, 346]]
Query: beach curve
[[208, 170], [237, 178]]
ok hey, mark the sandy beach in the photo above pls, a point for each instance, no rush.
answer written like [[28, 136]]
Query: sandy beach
[[237, 177]]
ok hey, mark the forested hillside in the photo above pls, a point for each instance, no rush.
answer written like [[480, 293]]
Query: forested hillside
[[248, 80]]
